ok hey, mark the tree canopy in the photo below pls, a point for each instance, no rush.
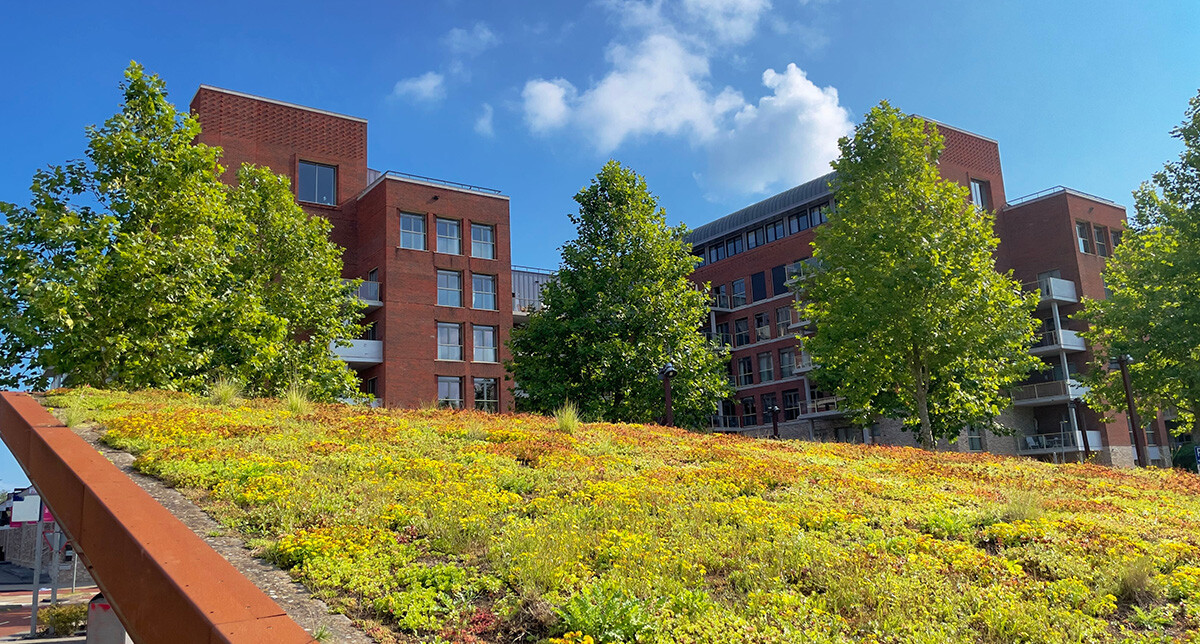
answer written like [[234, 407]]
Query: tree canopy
[[913, 320], [620, 308], [1153, 312], [137, 267]]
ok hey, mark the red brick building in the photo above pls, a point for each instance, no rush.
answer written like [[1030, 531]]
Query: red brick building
[[434, 254], [1057, 239]]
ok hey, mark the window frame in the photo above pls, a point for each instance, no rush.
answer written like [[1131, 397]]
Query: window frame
[[455, 239], [767, 374], [476, 345], [787, 368], [981, 195], [490, 244], [453, 346], [451, 403], [1083, 242], [1100, 235], [749, 411], [475, 294], [489, 405], [737, 296], [741, 332], [317, 167], [745, 374], [458, 292], [412, 234]]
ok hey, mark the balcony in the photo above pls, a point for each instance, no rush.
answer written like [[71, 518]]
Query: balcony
[[1051, 342], [527, 284], [720, 303], [1056, 290], [719, 339], [1067, 441], [368, 294], [1055, 392], [762, 333], [359, 354]]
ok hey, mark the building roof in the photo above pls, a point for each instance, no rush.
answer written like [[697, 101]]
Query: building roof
[[762, 211], [264, 99]]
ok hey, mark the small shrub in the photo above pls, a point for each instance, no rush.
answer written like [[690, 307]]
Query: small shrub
[[224, 391], [63, 619], [1022, 506], [1136, 582], [1154, 618], [606, 613], [567, 418], [296, 398]]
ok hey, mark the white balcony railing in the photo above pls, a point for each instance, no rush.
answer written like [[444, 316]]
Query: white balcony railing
[[359, 354], [1047, 393], [368, 293], [1061, 340], [1055, 289]]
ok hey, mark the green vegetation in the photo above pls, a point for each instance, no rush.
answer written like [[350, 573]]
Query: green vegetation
[[913, 321], [1153, 312], [64, 619], [621, 308], [138, 267], [427, 524]]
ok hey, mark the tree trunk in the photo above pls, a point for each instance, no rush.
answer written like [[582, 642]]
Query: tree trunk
[[1195, 427], [922, 396]]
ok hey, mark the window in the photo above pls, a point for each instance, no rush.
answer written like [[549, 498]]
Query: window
[[1116, 238], [371, 386], [483, 241], [412, 231], [755, 238], [791, 404], [370, 332], [745, 371], [449, 337], [721, 296], [317, 183], [779, 280], [776, 230], [762, 326], [768, 401], [980, 194], [699, 253], [758, 286], [787, 363], [766, 367], [723, 333], [749, 413], [487, 395], [1083, 231], [716, 253], [974, 439], [485, 343], [798, 222], [450, 392], [739, 293], [1101, 240], [783, 320], [741, 332], [449, 236], [373, 275], [483, 292], [819, 215], [733, 246], [449, 287]]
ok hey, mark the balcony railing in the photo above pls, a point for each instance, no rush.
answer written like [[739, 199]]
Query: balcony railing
[[1055, 289], [368, 293], [720, 339], [359, 354], [1062, 340], [720, 301], [1067, 441], [1047, 393], [527, 286]]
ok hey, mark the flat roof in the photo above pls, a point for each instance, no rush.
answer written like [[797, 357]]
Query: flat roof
[[761, 211], [1056, 190], [276, 102], [433, 183]]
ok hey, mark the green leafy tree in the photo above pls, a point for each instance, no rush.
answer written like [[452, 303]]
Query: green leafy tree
[[1153, 312], [913, 320], [137, 267], [621, 307]]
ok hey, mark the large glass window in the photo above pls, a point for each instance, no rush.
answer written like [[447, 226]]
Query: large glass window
[[741, 332], [776, 230], [449, 285], [317, 183], [783, 320], [766, 367], [974, 439], [749, 412], [412, 231], [483, 241], [733, 246], [745, 371], [739, 293], [762, 326], [1083, 231], [483, 292], [798, 222], [787, 363], [716, 253], [819, 215], [755, 238], [449, 338], [485, 343], [791, 404], [487, 394], [450, 391], [449, 236]]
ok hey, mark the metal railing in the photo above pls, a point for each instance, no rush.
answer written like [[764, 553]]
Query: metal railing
[[527, 283], [1046, 192], [440, 182], [1066, 338], [1054, 288], [368, 290], [720, 301], [1052, 389]]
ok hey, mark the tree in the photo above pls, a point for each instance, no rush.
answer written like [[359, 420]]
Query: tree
[[1153, 312], [621, 307], [138, 267], [913, 320]]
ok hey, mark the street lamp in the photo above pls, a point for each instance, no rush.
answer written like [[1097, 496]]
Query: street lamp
[[1139, 437], [774, 411], [665, 374]]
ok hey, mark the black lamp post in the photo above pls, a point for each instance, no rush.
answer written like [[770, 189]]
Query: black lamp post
[[667, 372], [774, 411], [1139, 437]]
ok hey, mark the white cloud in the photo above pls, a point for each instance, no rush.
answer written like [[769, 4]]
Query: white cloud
[[546, 103], [483, 124], [731, 21], [788, 137], [471, 43], [429, 87]]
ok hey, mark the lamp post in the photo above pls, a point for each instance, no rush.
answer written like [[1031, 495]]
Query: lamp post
[[667, 372], [774, 411], [1139, 437]]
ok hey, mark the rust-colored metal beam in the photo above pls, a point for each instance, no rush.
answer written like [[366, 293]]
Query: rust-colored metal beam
[[163, 581]]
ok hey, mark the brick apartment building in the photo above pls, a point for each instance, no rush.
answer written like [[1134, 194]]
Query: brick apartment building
[[1056, 240], [434, 255]]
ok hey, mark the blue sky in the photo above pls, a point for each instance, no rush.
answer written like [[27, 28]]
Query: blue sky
[[717, 102]]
